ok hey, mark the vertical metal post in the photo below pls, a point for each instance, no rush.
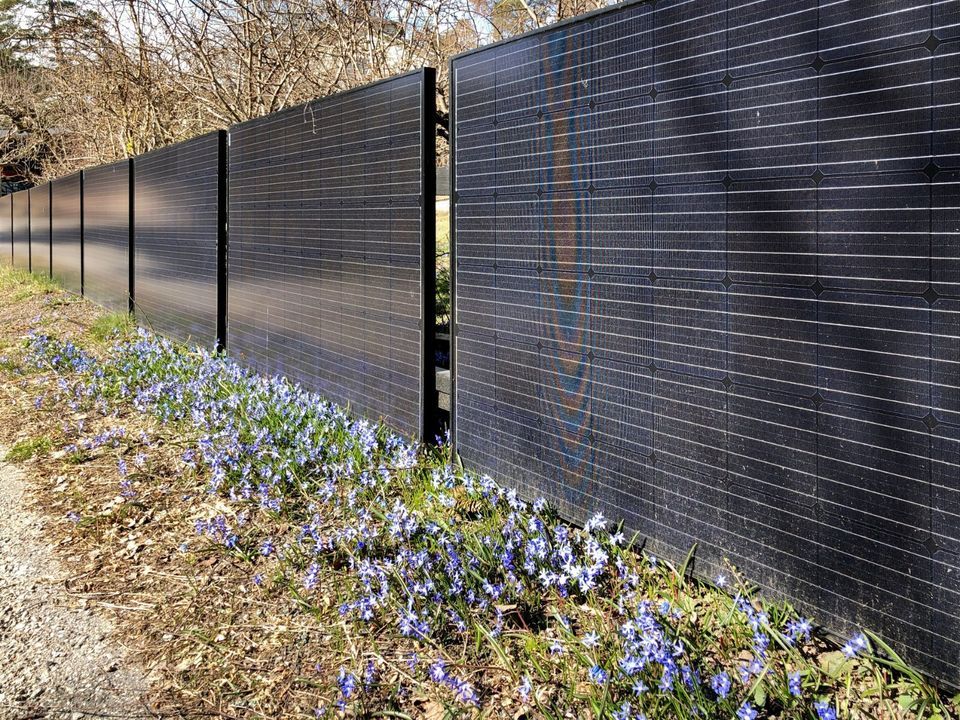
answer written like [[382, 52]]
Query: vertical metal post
[[428, 248], [223, 236], [452, 330], [82, 176], [29, 232], [131, 234], [50, 222]]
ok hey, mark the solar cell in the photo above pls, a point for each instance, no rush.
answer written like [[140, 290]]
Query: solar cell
[[21, 229], [106, 235], [66, 231], [40, 247], [330, 230], [6, 228], [176, 239], [706, 281]]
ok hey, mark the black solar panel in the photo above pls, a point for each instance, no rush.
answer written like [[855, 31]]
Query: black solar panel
[[67, 231], [6, 229], [330, 222], [40, 229], [21, 229], [706, 281], [106, 235], [176, 193]]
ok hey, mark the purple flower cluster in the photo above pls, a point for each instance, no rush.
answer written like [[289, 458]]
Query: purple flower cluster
[[439, 555]]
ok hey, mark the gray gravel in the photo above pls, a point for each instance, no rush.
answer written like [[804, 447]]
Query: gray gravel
[[57, 658]]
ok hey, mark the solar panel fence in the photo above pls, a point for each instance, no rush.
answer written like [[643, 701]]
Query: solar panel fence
[[66, 231], [40, 229], [106, 235], [178, 231], [21, 229], [331, 247], [6, 228], [707, 281]]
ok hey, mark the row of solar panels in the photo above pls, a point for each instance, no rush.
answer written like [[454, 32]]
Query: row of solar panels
[[330, 217], [705, 280]]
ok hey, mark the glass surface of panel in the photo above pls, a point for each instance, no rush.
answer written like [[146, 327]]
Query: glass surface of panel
[[706, 282], [327, 240]]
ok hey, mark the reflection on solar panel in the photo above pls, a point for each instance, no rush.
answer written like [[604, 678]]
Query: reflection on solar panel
[[327, 240], [21, 229], [707, 280], [6, 229], [106, 235], [40, 230], [175, 244], [66, 231]]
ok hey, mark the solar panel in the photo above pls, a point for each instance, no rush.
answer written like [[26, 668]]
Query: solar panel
[[40, 229], [67, 231], [176, 197], [21, 229], [706, 281], [331, 207], [6, 229], [106, 235]]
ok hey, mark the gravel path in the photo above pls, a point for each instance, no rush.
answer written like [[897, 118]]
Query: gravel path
[[57, 660]]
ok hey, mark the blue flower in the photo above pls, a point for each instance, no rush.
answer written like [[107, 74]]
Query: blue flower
[[598, 675], [721, 684], [793, 682], [746, 712], [347, 682], [856, 645], [824, 710], [526, 687]]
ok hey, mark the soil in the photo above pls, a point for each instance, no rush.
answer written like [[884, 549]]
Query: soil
[[57, 658]]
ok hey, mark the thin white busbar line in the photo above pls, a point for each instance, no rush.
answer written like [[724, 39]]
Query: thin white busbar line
[[720, 251], [298, 298], [816, 122], [660, 156], [738, 294], [660, 28], [606, 193], [332, 113], [310, 126], [740, 497], [291, 164], [248, 160], [746, 108], [348, 392], [724, 313], [631, 359], [736, 271], [684, 39], [676, 173], [696, 539], [330, 151], [687, 58], [652, 395], [712, 213], [255, 349], [792, 491], [715, 391], [754, 521]]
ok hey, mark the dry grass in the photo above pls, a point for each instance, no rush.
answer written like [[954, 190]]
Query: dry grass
[[246, 652]]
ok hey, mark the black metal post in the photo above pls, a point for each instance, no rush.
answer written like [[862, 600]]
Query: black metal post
[[223, 236], [131, 234], [428, 247]]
